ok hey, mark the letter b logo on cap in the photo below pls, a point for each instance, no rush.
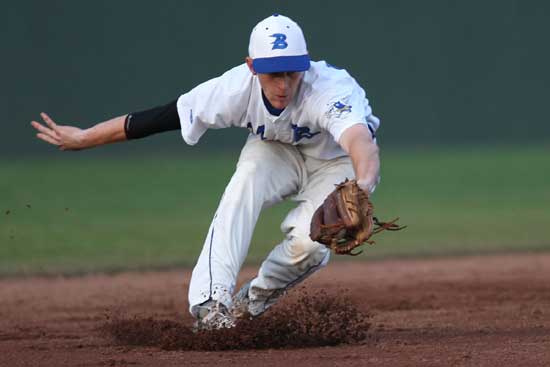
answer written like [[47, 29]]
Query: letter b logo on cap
[[279, 42]]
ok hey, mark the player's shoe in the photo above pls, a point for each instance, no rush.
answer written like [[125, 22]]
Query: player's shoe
[[243, 307], [213, 315], [241, 301]]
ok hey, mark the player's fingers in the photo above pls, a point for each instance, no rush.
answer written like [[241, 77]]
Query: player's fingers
[[48, 139], [44, 130], [51, 123]]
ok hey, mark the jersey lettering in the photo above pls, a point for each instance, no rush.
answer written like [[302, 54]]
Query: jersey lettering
[[259, 131], [302, 132], [280, 41]]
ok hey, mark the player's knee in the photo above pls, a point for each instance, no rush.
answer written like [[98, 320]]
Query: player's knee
[[304, 249]]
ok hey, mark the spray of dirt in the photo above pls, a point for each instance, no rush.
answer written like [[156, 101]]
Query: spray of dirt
[[297, 322]]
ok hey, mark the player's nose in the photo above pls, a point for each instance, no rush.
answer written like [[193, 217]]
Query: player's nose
[[283, 83]]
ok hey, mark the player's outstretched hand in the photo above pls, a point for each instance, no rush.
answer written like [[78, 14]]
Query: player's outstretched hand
[[64, 137]]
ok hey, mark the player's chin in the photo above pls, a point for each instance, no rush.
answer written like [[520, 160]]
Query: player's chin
[[280, 102]]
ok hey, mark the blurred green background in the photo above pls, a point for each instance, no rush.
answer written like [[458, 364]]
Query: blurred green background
[[461, 89]]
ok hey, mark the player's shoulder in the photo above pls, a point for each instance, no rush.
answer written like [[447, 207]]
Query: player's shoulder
[[238, 72], [234, 81], [321, 72], [323, 80]]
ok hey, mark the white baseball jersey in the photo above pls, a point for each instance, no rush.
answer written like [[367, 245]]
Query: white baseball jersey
[[327, 102]]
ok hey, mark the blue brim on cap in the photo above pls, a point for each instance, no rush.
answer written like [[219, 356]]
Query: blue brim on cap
[[281, 64]]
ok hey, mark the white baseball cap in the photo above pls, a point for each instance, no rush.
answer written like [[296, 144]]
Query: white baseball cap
[[277, 44]]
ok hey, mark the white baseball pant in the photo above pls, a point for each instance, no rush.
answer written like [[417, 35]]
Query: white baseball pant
[[267, 173]]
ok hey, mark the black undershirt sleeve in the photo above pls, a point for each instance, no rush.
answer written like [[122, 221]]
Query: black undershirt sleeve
[[156, 120]]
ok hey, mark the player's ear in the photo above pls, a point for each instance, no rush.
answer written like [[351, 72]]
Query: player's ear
[[248, 60]]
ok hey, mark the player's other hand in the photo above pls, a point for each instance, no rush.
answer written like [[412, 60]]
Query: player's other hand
[[64, 137]]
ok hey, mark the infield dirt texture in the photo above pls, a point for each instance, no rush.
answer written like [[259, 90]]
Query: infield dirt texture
[[469, 311]]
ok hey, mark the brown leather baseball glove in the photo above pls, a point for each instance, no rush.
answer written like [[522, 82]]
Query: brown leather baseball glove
[[345, 220]]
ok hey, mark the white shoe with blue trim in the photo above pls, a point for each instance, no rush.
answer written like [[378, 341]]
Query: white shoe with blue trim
[[213, 315]]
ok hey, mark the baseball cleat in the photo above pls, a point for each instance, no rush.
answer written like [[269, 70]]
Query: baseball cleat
[[213, 315], [241, 302], [244, 307]]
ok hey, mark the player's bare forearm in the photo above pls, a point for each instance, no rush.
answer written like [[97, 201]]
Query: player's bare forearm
[[73, 138], [358, 143], [110, 131]]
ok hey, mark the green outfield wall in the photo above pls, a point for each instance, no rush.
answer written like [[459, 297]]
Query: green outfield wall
[[436, 72]]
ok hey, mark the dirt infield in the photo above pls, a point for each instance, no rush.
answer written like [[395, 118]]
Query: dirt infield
[[474, 311]]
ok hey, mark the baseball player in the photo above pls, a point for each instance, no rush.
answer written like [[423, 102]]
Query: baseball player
[[311, 127]]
